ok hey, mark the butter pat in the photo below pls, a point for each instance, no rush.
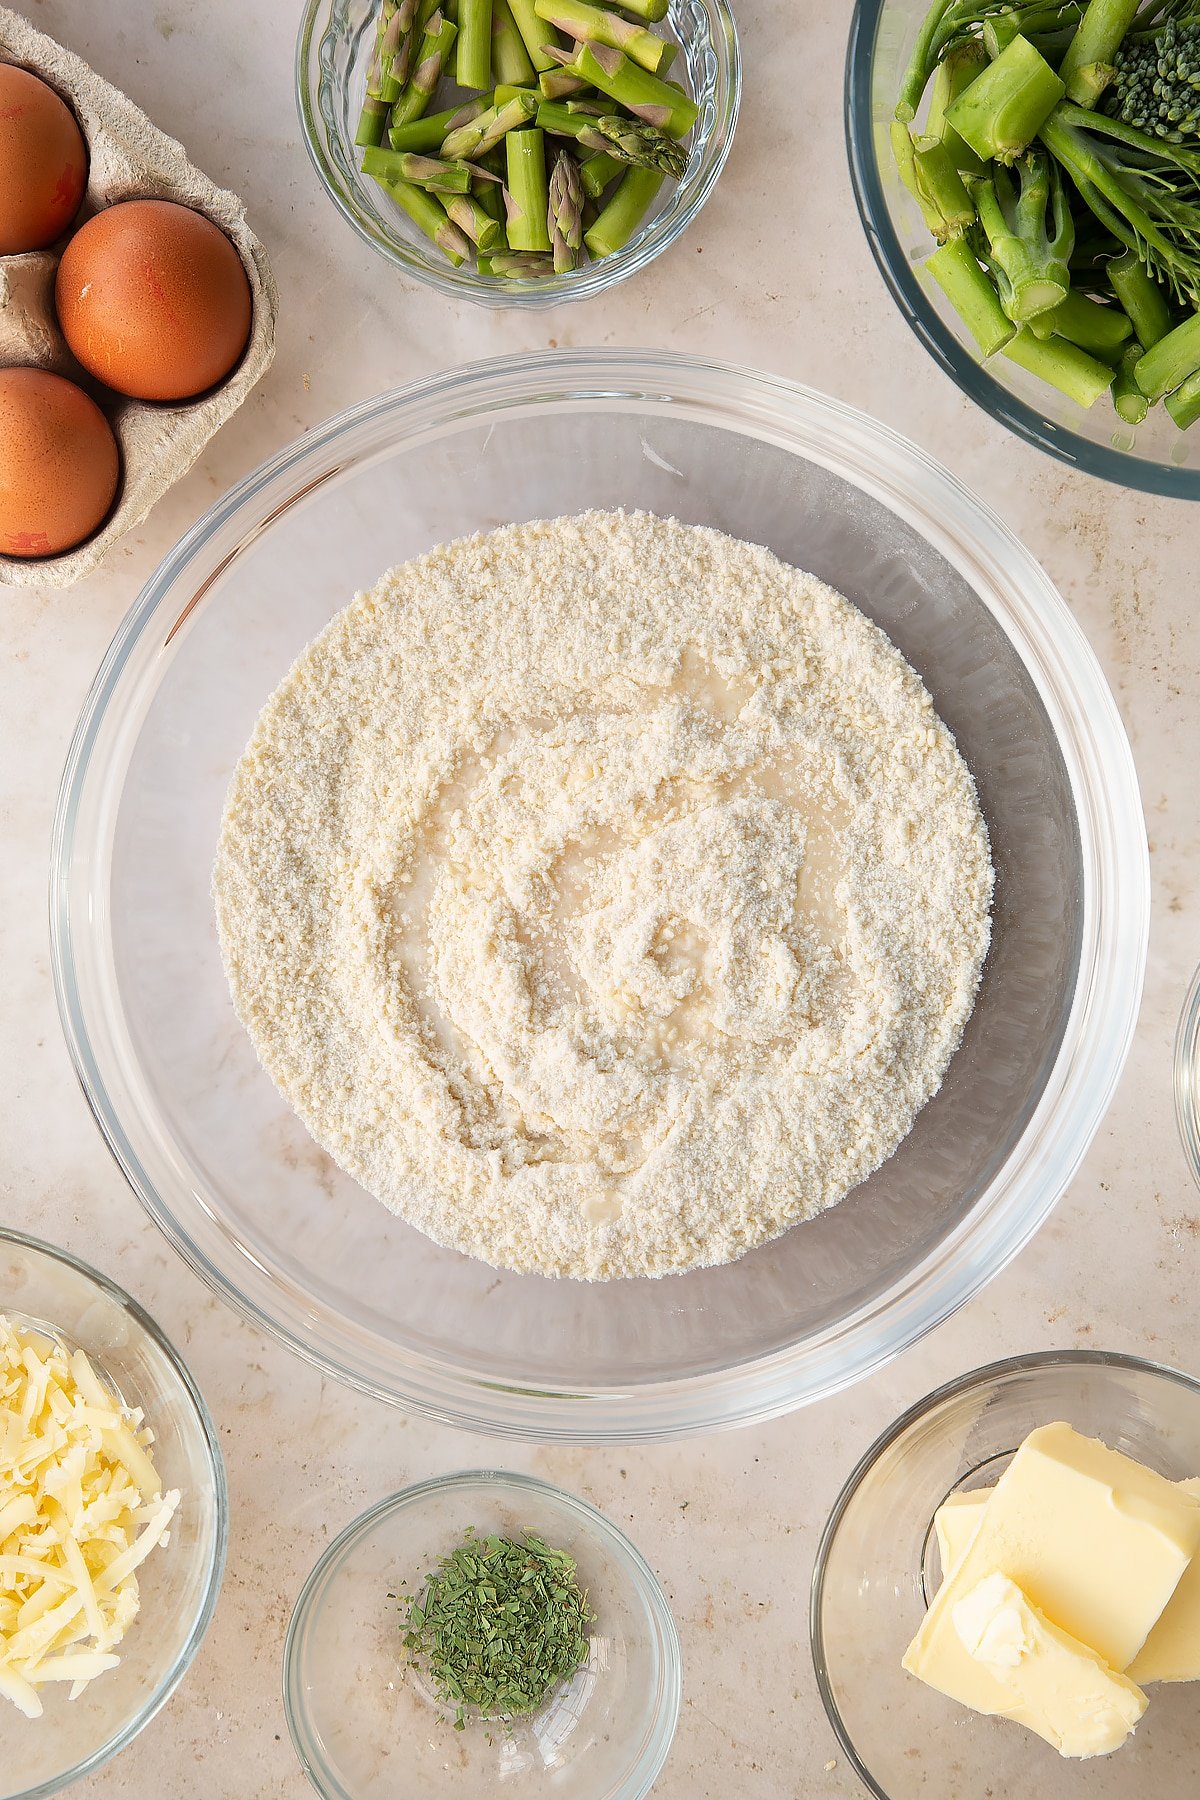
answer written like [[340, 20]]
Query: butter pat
[[1051, 1683], [1172, 1651], [1094, 1541], [956, 1521]]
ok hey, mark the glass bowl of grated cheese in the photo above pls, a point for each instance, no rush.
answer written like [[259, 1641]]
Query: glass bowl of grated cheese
[[111, 1478], [231, 1175]]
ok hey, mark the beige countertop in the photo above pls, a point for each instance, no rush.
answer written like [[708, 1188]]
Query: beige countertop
[[775, 277]]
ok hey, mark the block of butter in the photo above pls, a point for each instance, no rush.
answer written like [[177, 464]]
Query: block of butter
[[1056, 1686], [1172, 1650], [1095, 1544]]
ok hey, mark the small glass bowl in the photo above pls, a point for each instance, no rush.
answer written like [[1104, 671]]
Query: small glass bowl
[[332, 52], [48, 1289], [877, 1568], [1187, 1077], [1154, 456], [366, 1726]]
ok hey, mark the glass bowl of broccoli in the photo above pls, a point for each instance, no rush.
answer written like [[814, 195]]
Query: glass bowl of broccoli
[[1028, 173]]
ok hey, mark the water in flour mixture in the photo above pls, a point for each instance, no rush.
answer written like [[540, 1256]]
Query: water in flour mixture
[[604, 894]]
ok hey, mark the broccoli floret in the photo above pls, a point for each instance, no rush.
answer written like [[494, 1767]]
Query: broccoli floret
[[1156, 83]]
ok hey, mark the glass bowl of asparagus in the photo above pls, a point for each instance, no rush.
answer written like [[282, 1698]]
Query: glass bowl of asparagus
[[1028, 172], [518, 151]]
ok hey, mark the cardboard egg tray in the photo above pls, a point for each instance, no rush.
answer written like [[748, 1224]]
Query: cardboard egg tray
[[129, 159]]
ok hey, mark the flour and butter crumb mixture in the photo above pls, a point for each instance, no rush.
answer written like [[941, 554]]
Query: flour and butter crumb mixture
[[604, 894]]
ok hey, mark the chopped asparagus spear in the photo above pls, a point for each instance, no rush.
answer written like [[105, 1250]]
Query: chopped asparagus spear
[[430, 218], [431, 172], [428, 134], [598, 172], [510, 59], [593, 24], [473, 219], [474, 43], [536, 34], [565, 213], [528, 190], [474, 140], [558, 84], [518, 265], [658, 102], [440, 34], [623, 214]]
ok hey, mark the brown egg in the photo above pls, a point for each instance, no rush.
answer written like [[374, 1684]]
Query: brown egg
[[153, 300], [58, 464], [43, 163]]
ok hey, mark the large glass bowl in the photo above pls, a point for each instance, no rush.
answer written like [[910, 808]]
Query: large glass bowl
[[332, 53], [230, 1174], [878, 1567], [47, 1289], [1155, 456], [368, 1726]]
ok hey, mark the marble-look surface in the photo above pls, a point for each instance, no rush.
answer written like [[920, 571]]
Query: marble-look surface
[[775, 276]]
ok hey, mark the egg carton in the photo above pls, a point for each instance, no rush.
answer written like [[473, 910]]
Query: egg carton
[[129, 159]]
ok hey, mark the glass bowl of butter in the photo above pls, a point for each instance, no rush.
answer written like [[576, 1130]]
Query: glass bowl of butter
[[1006, 1598]]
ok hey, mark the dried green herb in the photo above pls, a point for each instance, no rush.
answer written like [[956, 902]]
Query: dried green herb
[[498, 1625]]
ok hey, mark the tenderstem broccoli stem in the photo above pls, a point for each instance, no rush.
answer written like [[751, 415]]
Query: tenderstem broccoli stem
[[535, 34], [1128, 399], [618, 221], [1101, 330], [584, 22], [426, 135], [1002, 110], [430, 218], [1065, 366], [1087, 67], [1184, 404], [922, 61], [1172, 361], [1141, 296], [956, 71], [1030, 235], [528, 189], [510, 59], [904, 150], [970, 292], [658, 102], [941, 181], [475, 43]]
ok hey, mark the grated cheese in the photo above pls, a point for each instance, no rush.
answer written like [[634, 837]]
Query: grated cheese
[[81, 1507]]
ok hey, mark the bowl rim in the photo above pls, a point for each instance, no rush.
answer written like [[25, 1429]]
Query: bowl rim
[[594, 278], [952, 356], [913, 1415], [163, 1689], [1186, 1076], [306, 1741], [1115, 923]]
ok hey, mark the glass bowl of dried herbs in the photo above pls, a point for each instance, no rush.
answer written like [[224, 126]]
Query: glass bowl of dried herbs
[[479, 1629]]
